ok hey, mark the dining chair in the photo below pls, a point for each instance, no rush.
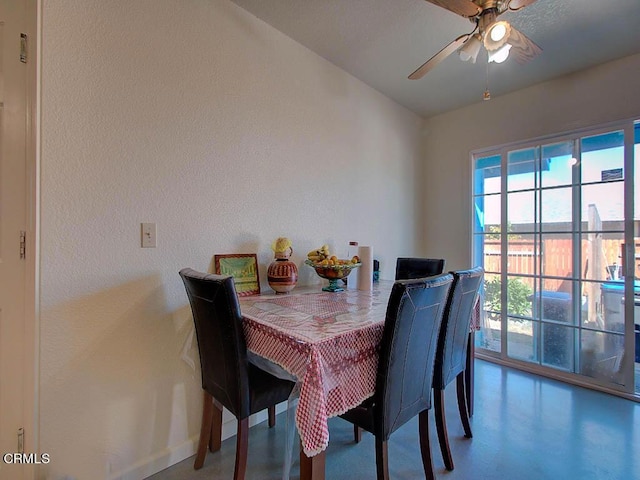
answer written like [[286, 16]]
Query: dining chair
[[451, 357], [413, 267], [228, 378], [405, 368]]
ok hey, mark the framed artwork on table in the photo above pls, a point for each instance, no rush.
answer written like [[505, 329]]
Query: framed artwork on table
[[243, 267]]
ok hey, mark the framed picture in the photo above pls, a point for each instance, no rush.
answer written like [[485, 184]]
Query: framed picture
[[243, 267]]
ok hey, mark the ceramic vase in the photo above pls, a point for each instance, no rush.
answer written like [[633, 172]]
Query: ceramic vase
[[282, 274]]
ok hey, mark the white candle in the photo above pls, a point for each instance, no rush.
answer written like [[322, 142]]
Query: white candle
[[365, 275]]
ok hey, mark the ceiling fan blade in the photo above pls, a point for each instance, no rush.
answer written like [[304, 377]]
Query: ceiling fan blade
[[523, 49], [466, 8], [438, 57], [518, 4]]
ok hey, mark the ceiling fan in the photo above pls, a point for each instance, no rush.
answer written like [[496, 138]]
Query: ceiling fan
[[499, 37]]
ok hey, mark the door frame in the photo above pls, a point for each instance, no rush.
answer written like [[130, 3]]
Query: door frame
[[628, 126], [33, 10], [28, 365]]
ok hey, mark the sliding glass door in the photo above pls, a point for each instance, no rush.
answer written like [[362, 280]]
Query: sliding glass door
[[554, 230]]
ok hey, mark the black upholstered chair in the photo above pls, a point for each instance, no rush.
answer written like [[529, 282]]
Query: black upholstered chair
[[451, 358], [409, 268], [228, 378], [405, 369]]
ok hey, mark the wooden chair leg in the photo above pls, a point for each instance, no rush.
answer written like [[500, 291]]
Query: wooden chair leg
[[215, 438], [382, 459], [357, 433], [242, 447], [425, 445], [205, 430], [272, 416], [470, 372], [441, 427], [462, 404]]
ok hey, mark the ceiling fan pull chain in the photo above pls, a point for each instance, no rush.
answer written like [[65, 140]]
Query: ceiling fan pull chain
[[487, 94]]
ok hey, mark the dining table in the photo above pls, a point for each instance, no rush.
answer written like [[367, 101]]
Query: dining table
[[328, 342]]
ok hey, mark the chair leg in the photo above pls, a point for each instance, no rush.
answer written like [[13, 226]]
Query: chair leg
[[462, 404], [215, 438], [441, 427], [425, 445], [382, 459], [205, 430], [242, 447], [272, 416], [357, 433], [469, 372]]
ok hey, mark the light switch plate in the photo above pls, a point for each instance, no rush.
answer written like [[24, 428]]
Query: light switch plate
[[148, 232]]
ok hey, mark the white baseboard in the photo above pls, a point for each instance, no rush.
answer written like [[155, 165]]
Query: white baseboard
[[157, 462]]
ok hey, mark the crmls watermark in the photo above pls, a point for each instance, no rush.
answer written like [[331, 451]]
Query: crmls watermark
[[26, 458]]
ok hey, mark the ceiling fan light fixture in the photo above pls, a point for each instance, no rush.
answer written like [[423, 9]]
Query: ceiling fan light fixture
[[498, 32], [497, 35], [470, 50], [500, 55]]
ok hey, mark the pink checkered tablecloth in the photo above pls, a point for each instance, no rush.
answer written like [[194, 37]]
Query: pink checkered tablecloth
[[328, 340]]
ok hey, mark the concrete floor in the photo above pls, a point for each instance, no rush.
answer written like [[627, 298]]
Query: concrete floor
[[525, 427]]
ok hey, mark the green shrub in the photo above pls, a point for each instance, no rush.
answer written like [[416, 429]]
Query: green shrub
[[518, 297]]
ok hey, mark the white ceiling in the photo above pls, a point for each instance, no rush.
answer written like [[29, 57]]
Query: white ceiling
[[382, 41]]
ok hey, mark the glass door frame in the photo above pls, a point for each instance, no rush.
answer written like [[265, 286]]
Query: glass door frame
[[629, 129]]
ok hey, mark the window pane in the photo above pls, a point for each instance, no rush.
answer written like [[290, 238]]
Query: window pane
[[522, 167], [555, 211], [602, 157], [557, 346], [492, 296], [602, 256], [557, 255], [519, 296], [601, 355], [521, 210], [522, 252], [601, 204], [487, 213], [613, 306], [492, 252], [555, 285], [591, 315], [489, 336], [553, 306], [521, 338], [487, 175], [557, 164]]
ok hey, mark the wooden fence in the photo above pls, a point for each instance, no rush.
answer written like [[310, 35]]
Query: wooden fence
[[557, 258]]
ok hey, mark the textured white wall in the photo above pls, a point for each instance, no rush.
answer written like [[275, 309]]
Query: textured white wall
[[603, 94], [227, 134]]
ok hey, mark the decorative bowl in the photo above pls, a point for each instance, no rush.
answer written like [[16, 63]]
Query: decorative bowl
[[333, 273]]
